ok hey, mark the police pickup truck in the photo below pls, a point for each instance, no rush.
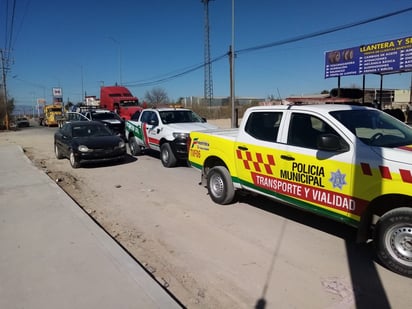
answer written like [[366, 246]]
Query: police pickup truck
[[164, 130], [349, 163]]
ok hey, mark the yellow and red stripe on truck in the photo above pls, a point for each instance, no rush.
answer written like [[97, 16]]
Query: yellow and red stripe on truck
[[325, 186]]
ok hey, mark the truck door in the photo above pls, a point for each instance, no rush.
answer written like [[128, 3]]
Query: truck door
[[151, 130], [277, 155], [317, 179], [257, 152]]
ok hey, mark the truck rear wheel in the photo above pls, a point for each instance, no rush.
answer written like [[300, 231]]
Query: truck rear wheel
[[220, 185], [393, 240], [167, 156]]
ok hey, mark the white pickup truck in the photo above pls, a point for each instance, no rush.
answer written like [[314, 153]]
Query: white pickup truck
[[164, 130], [349, 163]]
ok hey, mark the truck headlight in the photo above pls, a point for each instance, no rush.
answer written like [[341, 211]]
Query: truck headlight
[[180, 135]]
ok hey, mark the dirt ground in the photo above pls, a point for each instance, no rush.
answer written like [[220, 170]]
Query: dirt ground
[[245, 255]]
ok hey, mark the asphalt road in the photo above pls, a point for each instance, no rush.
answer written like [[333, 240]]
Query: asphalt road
[[254, 253]]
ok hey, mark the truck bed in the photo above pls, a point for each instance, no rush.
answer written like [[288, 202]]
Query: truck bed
[[230, 134]]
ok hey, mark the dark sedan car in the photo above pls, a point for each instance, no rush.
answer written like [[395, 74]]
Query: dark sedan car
[[87, 141]]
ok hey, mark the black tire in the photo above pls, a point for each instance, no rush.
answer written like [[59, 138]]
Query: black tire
[[167, 156], [135, 149], [73, 161], [393, 240], [220, 185], [57, 152]]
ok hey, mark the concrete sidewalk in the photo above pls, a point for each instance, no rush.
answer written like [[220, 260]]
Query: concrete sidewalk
[[52, 255]]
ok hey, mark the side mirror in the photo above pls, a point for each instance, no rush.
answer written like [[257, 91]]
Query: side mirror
[[330, 142], [153, 122]]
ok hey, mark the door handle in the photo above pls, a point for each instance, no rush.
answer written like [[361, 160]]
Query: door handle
[[287, 158], [242, 148]]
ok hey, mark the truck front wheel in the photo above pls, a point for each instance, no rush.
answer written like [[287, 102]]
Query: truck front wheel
[[167, 156], [135, 149], [220, 185], [393, 240]]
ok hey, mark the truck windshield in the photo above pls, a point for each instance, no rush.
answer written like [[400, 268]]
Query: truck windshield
[[129, 103], [375, 128], [179, 116]]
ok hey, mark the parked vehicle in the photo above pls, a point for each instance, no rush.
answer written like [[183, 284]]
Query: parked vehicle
[[164, 130], [108, 118], [87, 141], [120, 100], [52, 115], [22, 122], [349, 163]]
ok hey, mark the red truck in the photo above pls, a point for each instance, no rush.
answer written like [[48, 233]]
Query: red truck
[[119, 99]]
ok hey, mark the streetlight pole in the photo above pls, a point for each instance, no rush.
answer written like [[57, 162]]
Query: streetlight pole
[[83, 96]]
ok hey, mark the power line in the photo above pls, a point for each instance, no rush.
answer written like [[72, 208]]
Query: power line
[[322, 32], [168, 78], [273, 44]]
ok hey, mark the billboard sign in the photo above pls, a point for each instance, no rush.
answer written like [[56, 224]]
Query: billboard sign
[[57, 92], [377, 58]]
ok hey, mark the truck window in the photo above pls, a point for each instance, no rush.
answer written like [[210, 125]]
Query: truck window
[[304, 130], [264, 125], [153, 119], [145, 117], [135, 116], [374, 128]]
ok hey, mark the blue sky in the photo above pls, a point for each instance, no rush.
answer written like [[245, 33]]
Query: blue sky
[[80, 45]]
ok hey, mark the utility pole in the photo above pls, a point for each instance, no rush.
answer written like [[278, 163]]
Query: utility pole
[[3, 69], [410, 91], [232, 88], [208, 87]]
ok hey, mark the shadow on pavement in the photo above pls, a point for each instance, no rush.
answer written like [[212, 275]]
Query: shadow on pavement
[[368, 289]]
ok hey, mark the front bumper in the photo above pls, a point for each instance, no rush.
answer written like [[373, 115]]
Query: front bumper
[[101, 155], [179, 148]]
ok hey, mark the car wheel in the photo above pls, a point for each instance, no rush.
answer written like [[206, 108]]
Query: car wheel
[[220, 185], [393, 240], [57, 152], [73, 161], [167, 156], [135, 149]]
